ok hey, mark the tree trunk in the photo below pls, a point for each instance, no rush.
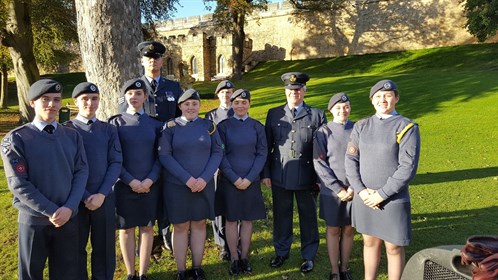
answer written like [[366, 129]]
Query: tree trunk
[[19, 39], [109, 31], [4, 87], [239, 37]]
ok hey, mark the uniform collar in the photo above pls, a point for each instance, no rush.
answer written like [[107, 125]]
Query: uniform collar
[[41, 124], [85, 120]]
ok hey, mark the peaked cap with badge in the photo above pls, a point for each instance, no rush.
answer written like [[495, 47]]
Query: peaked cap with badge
[[152, 49], [293, 80]]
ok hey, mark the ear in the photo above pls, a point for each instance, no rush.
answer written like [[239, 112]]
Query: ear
[[32, 103]]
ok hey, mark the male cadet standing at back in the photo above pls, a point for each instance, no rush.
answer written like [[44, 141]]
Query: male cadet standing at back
[[224, 91], [46, 169], [161, 104], [289, 170], [97, 209]]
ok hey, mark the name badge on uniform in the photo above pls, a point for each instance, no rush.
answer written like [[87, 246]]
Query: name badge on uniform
[[170, 97]]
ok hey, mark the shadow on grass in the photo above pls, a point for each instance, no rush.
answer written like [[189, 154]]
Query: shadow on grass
[[457, 175]]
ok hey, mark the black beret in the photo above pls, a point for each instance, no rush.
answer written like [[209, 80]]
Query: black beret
[[340, 97], [189, 94], [295, 79], [241, 93], [223, 85], [386, 85], [43, 86], [151, 49], [133, 84], [84, 87]]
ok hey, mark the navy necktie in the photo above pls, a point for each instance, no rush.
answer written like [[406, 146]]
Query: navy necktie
[[154, 85], [89, 122], [49, 129]]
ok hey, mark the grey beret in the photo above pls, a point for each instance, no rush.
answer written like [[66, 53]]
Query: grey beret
[[340, 97], [385, 85], [224, 85], [43, 86], [189, 94], [241, 93], [133, 84], [84, 87]]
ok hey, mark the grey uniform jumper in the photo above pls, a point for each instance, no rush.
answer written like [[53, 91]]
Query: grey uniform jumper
[[290, 168], [45, 172], [245, 157], [189, 149], [376, 161], [219, 114], [103, 152], [138, 137], [329, 148]]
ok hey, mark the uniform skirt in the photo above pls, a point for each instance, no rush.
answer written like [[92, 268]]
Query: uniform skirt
[[135, 209], [183, 205], [391, 223], [235, 204], [335, 212]]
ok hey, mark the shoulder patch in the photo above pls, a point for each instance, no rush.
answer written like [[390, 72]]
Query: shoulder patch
[[352, 150], [121, 100]]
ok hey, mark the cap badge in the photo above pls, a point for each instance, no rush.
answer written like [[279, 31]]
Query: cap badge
[[344, 98], [243, 94], [387, 86], [292, 78], [93, 88], [151, 47], [138, 84], [229, 84], [58, 87]]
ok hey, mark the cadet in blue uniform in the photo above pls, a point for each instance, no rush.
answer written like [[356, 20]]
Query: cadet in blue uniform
[[381, 206], [46, 170], [161, 103], [190, 151], [96, 215], [136, 193], [329, 148], [238, 196], [289, 170], [224, 90]]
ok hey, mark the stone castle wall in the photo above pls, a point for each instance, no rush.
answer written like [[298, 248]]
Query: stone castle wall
[[283, 33]]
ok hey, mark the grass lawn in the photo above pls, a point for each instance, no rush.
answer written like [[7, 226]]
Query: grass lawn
[[452, 93]]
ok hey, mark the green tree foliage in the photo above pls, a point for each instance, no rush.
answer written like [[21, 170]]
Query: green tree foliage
[[482, 18], [231, 16]]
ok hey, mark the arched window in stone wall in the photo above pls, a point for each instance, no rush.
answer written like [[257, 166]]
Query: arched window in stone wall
[[221, 64], [193, 65], [169, 66]]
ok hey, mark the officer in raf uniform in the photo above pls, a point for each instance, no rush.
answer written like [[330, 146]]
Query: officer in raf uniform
[[161, 104], [289, 170]]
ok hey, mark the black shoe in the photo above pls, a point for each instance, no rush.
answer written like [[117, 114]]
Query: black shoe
[[307, 266], [181, 275], [224, 255], [234, 268], [278, 261], [245, 267], [167, 243], [334, 276], [131, 277], [346, 275], [198, 274], [142, 277]]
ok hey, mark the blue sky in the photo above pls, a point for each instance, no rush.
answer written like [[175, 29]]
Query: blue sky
[[195, 8]]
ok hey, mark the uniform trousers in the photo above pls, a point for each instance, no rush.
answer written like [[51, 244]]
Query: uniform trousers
[[219, 224], [100, 226], [59, 245], [283, 208]]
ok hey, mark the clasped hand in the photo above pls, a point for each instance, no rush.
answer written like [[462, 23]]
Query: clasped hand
[[371, 198], [196, 185], [242, 184], [346, 194], [141, 186]]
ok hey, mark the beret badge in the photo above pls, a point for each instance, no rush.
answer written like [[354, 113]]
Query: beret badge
[[344, 98], [138, 84], [387, 86], [93, 88], [58, 87]]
